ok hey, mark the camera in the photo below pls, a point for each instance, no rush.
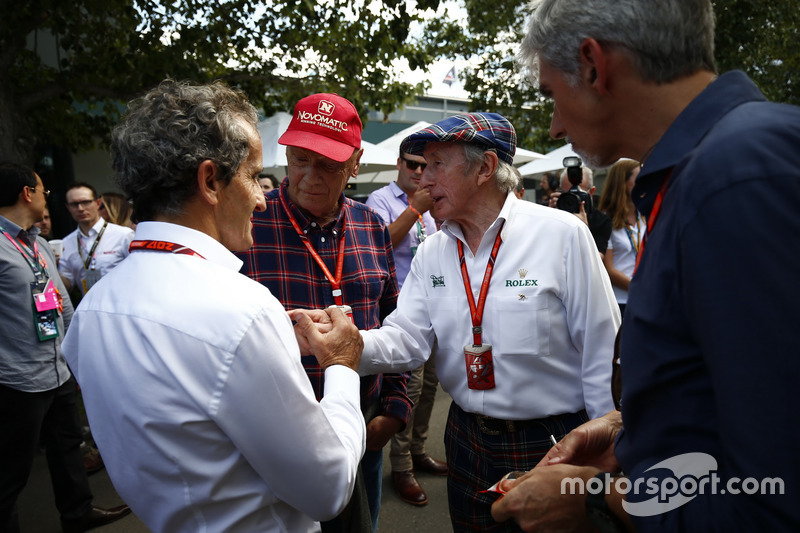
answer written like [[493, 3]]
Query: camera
[[570, 201]]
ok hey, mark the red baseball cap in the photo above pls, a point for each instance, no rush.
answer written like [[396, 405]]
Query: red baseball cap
[[324, 123]]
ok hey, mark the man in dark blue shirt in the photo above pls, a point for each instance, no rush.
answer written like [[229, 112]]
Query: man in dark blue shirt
[[705, 437]]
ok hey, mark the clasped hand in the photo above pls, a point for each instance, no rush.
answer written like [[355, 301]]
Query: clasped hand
[[329, 335]]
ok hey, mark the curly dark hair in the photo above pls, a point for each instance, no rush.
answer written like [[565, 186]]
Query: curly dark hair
[[165, 135]]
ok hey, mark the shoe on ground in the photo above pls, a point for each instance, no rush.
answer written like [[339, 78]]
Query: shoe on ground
[[92, 461], [429, 465], [406, 486], [95, 518]]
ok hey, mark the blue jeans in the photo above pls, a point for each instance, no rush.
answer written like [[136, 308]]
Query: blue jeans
[[372, 470]]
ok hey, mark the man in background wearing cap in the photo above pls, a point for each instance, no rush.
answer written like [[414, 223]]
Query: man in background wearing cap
[[314, 248], [405, 208], [526, 361]]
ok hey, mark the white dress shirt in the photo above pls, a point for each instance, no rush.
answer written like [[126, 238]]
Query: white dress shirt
[[550, 317], [110, 251], [198, 400]]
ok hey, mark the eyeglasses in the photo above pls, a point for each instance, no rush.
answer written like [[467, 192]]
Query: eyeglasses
[[45, 191], [413, 165], [82, 203]]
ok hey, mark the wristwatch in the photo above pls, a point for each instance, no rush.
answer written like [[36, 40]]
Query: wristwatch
[[598, 511]]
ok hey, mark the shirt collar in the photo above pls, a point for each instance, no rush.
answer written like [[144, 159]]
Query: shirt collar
[[15, 230], [731, 90], [397, 191], [202, 243], [304, 222], [453, 230], [95, 229]]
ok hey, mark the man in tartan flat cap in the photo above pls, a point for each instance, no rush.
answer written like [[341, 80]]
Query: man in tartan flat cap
[[514, 300]]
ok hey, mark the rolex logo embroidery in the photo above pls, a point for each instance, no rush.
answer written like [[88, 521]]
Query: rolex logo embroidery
[[522, 281], [438, 281]]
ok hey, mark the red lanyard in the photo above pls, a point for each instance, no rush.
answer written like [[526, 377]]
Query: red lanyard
[[336, 282], [476, 311], [34, 260], [651, 220], [162, 246]]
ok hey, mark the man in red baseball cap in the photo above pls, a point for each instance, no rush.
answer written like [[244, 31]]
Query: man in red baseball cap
[[313, 248]]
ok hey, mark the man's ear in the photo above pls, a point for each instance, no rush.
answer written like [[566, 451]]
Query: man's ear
[[208, 182], [594, 65], [488, 166], [357, 166]]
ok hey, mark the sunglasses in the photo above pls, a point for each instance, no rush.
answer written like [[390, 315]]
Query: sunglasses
[[413, 165]]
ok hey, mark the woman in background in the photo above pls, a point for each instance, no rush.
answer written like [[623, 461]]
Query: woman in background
[[116, 209], [628, 227]]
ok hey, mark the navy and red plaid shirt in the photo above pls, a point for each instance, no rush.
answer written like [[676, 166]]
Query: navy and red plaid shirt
[[280, 261]]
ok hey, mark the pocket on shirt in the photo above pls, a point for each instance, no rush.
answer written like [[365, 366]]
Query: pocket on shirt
[[526, 328]]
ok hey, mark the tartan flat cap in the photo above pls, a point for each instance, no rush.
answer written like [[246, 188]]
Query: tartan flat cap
[[490, 130]]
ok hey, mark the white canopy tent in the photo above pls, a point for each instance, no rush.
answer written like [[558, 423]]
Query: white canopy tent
[[393, 144], [552, 161], [374, 159]]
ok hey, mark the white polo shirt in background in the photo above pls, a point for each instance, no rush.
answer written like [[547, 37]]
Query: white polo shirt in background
[[110, 251]]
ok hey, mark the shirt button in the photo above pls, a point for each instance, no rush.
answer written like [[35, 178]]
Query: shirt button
[[313, 224], [322, 239], [305, 231], [471, 255]]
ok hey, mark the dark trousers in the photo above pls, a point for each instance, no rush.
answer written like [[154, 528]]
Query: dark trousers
[[51, 416], [479, 453]]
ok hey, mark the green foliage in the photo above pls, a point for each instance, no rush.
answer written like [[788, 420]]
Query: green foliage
[[757, 36], [69, 67]]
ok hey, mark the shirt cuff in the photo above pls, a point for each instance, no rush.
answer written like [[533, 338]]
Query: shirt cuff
[[344, 381]]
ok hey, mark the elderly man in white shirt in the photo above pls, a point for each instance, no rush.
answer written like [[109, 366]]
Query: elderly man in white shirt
[[190, 371], [526, 351]]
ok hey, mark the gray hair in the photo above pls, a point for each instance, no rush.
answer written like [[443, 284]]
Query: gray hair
[[505, 177], [665, 40], [168, 132]]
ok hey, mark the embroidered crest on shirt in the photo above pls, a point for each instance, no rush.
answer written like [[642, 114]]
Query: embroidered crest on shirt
[[522, 297], [438, 281]]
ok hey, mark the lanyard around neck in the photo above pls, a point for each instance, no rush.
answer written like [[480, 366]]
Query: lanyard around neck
[[635, 244], [88, 260], [421, 234], [35, 261], [476, 311], [651, 220], [162, 246], [335, 281]]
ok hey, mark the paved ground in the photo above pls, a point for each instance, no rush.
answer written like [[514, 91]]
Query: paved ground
[[38, 514]]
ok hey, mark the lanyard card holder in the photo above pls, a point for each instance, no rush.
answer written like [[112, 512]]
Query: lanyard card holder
[[480, 369], [45, 317]]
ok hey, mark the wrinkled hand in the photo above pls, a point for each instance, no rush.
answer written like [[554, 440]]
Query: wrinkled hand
[[590, 444], [320, 319], [422, 200], [380, 429], [536, 503], [341, 344]]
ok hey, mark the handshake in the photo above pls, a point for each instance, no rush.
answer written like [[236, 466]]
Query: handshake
[[329, 335]]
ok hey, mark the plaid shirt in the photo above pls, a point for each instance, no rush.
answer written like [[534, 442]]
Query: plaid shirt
[[280, 261]]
